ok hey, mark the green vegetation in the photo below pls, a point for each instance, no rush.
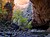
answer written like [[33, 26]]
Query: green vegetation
[[17, 18], [22, 21]]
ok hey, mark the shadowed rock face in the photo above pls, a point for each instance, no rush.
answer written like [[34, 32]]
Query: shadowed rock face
[[41, 11], [9, 9]]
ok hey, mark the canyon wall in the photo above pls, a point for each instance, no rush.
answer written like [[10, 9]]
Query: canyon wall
[[41, 12]]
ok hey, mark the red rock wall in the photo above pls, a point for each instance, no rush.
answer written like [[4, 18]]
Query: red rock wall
[[41, 10]]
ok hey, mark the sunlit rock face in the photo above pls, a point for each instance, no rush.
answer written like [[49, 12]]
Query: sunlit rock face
[[25, 6], [28, 12], [41, 12], [21, 4]]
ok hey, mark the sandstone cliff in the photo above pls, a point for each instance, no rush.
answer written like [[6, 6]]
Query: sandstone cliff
[[41, 11]]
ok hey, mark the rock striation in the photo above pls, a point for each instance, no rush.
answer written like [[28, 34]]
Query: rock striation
[[41, 13]]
